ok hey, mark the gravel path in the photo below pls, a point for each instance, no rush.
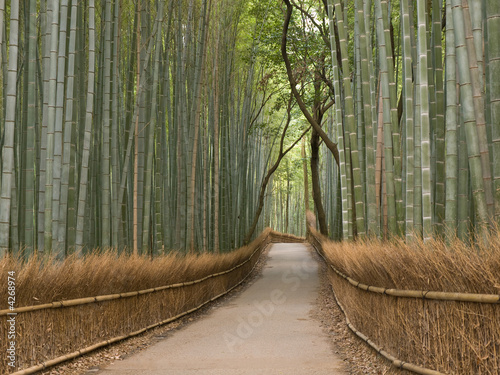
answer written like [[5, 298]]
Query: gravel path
[[267, 329]]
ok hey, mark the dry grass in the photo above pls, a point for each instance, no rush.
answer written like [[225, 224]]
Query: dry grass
[[451, 337], [41, 281], [50, 333], [430, 266]]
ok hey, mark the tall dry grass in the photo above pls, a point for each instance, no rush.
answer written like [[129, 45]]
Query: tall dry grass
[[451, 337], [46, 334], [43, 281], [431, 266]]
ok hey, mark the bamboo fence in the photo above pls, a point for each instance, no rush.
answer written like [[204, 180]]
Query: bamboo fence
[[52, 333], [426, 332]]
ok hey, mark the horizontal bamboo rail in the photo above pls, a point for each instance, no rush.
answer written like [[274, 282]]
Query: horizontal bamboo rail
[[395, 361], [109, 297], [422, 294]]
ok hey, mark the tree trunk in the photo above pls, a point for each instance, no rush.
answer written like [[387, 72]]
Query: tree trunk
[[320, 212]]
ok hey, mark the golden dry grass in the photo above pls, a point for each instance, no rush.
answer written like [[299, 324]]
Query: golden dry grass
[[451, 337], [41, 281], [430, 266]]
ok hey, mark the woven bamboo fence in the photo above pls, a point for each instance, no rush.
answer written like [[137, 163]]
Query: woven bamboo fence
[[426, 332], [50, 333]]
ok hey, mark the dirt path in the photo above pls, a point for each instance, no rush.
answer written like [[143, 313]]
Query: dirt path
[[268, 329]]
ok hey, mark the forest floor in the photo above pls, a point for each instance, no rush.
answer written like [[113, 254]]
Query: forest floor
[[284, 320]]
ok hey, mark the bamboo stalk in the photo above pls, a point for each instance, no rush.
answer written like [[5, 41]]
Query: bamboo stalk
[[339, 127], [366, 62], [493, 104], [408, 116], [350, 124], [84, 165], [438, 118], [8, 170], [425, 141], [451, 208], [468, 113]]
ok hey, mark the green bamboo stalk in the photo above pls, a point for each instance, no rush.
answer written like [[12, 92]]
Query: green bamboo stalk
[[477, 8], [135, 204], [182, 38], [339, 126], [9, 130], [423, 91], [152, 127], [126, 200], [216, 147], [29, 173], [84, 165], [463, 217], [476, 76], [200, 59], [105, 174], [366, 61], [46, 23], [372, 70], [380, 185], [408, 106], [51, 120], [451, 131], [167, 151], [144, 117], [438, 117], [132, 139], [68, 152], [115, 117], [160, 133], [14, 209], [386, 52], [493, 29], [206, 181], [350, 123], [389, 152], [58, 129], [468, 113], [417, 174]]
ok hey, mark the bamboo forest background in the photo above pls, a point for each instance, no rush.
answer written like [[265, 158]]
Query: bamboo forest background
[[152, 125], [129, 125], [418, 83]]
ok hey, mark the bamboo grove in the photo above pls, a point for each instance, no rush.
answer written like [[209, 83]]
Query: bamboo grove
[[148, 125], [416, 119], [128, 125]]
